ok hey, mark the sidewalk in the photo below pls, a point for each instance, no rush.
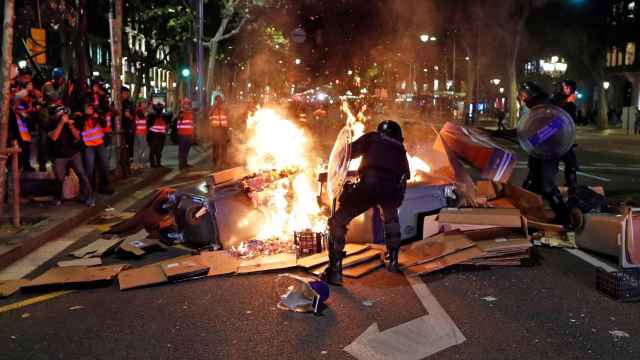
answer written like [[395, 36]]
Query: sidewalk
[[43, 222]]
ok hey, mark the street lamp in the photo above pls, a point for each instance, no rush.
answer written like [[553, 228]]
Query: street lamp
[[554, 68], [501, 90], [424, 38], [495, 81], [606, 85], [22, 64], [298, 61]]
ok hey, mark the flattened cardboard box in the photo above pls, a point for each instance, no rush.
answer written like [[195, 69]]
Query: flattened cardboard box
[[469, 216], [321, 258], [143, 276], [185, 268], [353, 260], [433, 248], [93, 261], [445, 261], [10, 287], [363, 268], [267, 263], [76, 275], [220, 262], [97, 248]]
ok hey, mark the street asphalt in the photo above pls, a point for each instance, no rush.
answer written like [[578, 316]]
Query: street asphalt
[[547, 310]]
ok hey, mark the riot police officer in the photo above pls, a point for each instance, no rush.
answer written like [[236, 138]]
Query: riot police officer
[[383, 172], [566, 99], [542, 172]]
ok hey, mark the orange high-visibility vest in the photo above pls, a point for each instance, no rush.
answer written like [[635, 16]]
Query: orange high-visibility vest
[[185, 123], [218, 118], [141, 126], [25, 135], [92, 135], [159, 125]]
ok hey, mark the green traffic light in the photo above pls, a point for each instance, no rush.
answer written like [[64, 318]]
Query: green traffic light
[[186, 72]]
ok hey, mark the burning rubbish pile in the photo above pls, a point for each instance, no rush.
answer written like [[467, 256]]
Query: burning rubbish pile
[[267, 215]]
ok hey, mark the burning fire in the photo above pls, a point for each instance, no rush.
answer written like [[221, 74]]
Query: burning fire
[[289, 203], [417, 166]]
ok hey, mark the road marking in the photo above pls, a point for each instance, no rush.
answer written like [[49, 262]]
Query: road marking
[[591, 260], [175, 172], [604, 164], [33, 300], [416, 339], [593, 176], [583, 173]]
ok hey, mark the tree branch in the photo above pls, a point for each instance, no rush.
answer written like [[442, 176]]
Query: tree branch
[[232, 32]]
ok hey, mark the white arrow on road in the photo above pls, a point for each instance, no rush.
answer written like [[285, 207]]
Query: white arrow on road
[[416, 339]]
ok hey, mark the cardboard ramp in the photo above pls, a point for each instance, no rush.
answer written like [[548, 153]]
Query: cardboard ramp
[[364, 257]]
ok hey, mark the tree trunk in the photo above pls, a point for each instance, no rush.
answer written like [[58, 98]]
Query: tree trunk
[[213, 52], [82, 47], [7, 60], [602, 120], [122, 168]]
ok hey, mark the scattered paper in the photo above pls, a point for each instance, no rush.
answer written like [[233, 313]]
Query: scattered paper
[[618, 334]]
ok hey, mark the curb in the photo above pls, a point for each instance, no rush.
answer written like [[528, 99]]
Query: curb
[[33, 240]]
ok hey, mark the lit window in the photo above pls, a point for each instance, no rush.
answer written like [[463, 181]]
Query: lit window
[[620, 56], [630, 54]]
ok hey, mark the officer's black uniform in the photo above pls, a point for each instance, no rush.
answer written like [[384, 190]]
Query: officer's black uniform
[[542, 173], [383, 172], [156, 139]]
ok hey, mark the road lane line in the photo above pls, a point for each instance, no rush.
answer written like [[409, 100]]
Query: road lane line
[[591, 260], [33, 300], [593, 176]]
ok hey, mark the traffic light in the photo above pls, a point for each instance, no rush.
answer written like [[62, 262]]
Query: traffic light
[[186, 72]]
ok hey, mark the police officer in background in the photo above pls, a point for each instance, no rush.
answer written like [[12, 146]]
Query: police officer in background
[[158, 124], [184, 127], [566, 99], [542, 172], [219, 132], [384, 171]]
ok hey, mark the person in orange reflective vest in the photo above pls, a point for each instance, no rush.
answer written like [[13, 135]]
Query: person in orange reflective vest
[[19, 130], [157, 124], [140, 146], [92, 133], [219, 132], [184, 127]]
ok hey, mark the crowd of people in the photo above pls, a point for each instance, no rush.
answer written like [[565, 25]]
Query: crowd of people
[[57, 123]]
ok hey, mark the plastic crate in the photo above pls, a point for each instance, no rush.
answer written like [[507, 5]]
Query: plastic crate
[[309, 242], [621, 285]]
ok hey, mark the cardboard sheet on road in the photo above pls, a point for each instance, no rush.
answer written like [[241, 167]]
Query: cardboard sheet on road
[[10, 287], [76, 275], [267, 263], [482, 216], [97, 248], [219, 262], [321, 258], [363, 269], [427, 250], [445, 261], [138, 244], [94, 261], [185, 268], [353, 260], [143, 276]]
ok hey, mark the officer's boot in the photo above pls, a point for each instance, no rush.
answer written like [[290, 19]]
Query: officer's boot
[[333, 273], [392, 260]]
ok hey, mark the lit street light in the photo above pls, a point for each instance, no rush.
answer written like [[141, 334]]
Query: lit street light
[[606, 85], [298, 61], [495, 81], [554, 68], [22, 64], [424, 38]]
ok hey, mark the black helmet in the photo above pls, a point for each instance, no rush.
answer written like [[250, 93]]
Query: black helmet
[[532, 89], [391, 129]]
